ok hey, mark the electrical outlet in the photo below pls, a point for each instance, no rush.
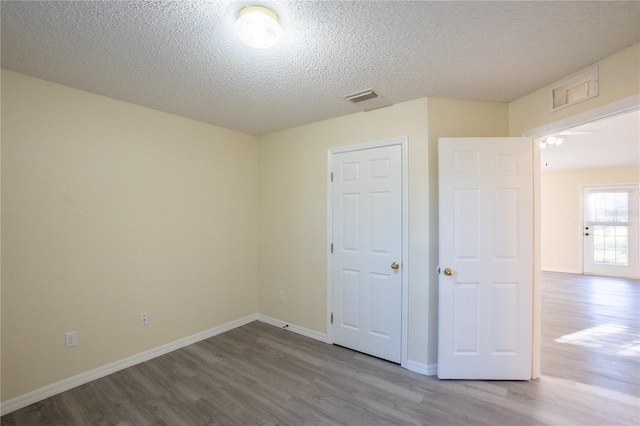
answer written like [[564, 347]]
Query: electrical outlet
[[144, 319], [70, 339], [282, 296]]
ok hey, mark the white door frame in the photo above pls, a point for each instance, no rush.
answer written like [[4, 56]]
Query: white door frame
[[402, 141], [622, 106]]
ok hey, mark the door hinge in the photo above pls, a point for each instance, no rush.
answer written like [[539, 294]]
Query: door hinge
[[331, 317], [331, 247], [331, 176]]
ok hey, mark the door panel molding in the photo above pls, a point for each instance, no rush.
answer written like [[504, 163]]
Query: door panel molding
[[403, 143], [486, 253]]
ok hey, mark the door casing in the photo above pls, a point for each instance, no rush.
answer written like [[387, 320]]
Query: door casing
[[402, 141]]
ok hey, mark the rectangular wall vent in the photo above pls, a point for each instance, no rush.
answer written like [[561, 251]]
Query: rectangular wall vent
[[362, 96], [574, 90]]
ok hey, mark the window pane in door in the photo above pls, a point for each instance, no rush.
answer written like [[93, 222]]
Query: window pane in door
[[608, 207], [611, 245]]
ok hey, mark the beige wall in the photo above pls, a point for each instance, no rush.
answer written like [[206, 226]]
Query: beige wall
[[293, 196], [453, 118], [110, 209], [293, 221], [619, 78], [561, 227]]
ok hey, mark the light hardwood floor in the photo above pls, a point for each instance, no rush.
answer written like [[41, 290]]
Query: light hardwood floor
[[262, 375]]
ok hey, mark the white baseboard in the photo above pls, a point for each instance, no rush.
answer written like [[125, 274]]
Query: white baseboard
[[416, 367], [420, 368], [97, 373], [32, 397], [563, 270], [294, 328]]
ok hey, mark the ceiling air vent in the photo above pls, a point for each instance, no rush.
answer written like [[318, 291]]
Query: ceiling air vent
[[364, 95], [573, 90]]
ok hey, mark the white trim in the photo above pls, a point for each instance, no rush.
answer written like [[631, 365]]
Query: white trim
[[420, 368], [329, 242], [416, 367], [562, 270], [581, 224], [404, 357], [403, 142], [34, 396], [316, 335], [612, 185], [632, 103], [536, 325]]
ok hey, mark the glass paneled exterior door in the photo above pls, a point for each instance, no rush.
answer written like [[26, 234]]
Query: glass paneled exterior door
[[610, 231]]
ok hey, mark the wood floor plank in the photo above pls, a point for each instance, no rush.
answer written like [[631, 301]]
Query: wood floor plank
[[263, 375]]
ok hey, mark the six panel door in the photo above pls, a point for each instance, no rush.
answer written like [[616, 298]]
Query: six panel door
[[486, 258], [367, 238]]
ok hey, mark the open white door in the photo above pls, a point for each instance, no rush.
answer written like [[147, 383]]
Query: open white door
[[486, 258]]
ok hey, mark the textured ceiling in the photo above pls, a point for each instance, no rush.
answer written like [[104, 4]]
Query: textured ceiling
[[183, 57]]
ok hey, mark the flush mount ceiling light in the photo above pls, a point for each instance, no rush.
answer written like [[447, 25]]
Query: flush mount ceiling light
[[258, 27]]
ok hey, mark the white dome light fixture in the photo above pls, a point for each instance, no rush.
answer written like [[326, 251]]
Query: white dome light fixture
[[258, 27]]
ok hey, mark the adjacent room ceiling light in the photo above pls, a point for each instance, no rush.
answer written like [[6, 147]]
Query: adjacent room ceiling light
[[258, 27], [550, 141]]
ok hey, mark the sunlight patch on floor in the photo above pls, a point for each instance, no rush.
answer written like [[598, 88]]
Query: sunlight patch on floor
[[597, 337], [630, 349]]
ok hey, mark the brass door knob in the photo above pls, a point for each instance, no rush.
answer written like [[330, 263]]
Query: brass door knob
[[395, 265], [448, 272]]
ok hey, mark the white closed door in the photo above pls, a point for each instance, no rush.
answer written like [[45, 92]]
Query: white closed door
[[367, 251], [610, 230], [486, 258]]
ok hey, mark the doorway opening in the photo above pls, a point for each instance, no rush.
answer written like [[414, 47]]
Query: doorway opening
[[589, 178], [589, 240]]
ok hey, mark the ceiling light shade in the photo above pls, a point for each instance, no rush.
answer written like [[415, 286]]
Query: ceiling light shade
[[258, 27], [550, 141]]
